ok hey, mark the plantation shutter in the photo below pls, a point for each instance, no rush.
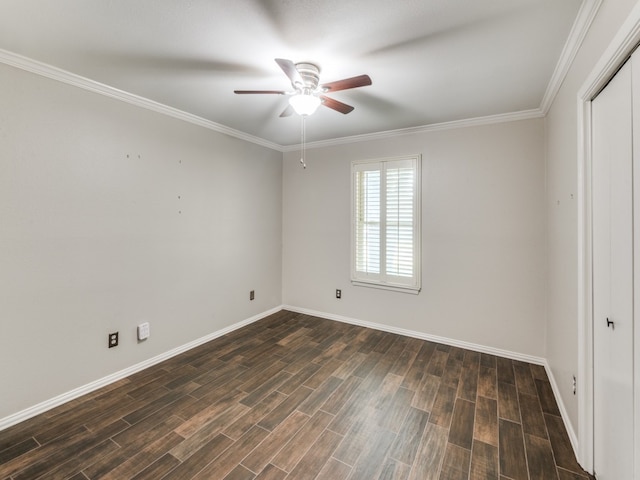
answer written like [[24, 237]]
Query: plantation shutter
[[400, 183], [368, 224], [385, 242]]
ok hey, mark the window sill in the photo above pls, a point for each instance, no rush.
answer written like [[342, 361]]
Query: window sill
[[383, 286]]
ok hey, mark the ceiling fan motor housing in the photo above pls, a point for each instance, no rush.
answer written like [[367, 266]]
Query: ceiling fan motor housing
[[310, 74]]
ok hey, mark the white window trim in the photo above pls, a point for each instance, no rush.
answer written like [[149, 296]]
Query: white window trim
[[383, 283]]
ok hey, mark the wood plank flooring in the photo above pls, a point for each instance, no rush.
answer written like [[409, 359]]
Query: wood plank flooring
[[299, 397]]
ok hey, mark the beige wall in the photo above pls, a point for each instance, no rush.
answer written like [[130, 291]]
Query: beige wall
[[483, 242], [92, 241], [562, 209]]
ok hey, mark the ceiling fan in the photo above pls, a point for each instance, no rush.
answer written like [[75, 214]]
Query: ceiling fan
[[307, 95]]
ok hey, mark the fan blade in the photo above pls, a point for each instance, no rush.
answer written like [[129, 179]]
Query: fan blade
[[275, 92], [353, 82], [289, 68], [287, 112], [336, 105]]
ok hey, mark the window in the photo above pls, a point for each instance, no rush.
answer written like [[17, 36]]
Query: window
[[385, 241]]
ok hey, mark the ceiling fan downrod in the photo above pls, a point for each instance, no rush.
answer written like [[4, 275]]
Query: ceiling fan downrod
[[302, 143]]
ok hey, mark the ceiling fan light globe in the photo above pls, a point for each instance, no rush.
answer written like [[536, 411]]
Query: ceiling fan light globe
[[304, 104]]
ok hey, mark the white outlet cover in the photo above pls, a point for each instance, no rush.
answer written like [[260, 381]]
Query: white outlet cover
[[143, 331]]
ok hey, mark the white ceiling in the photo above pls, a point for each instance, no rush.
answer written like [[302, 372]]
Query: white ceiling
[[431, 61]]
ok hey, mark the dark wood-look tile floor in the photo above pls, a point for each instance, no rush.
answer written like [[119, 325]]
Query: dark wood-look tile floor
[[299, 397]]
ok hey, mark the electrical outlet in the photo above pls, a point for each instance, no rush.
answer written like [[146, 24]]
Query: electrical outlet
[[338, 293], [252, 294], [143, 331], [113, 339]]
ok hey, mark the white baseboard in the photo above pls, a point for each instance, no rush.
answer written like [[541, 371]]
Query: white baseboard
[[422, 336], [27, 413], [573, 438], [90, 387]]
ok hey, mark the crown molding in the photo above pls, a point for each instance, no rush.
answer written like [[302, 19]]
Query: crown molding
[[469, 122], [586, 15], [63, 76], [583, 21]]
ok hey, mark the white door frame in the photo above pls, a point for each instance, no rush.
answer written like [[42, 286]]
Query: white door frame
[[619, 49]]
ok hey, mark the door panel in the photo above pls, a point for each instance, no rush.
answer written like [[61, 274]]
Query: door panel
[[635, 80], [612, 190]]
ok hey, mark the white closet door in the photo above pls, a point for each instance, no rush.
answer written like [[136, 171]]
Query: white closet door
[[635, 78], [612, 190]]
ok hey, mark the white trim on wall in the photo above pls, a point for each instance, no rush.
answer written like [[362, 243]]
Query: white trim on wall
[[617, 52], [109, 379], [586, 15], [583, 21], [460, 344], [420, 335], [63, 76], [434, 127], [114, 377]]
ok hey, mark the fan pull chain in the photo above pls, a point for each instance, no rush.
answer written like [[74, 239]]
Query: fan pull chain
[[302, 154]]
